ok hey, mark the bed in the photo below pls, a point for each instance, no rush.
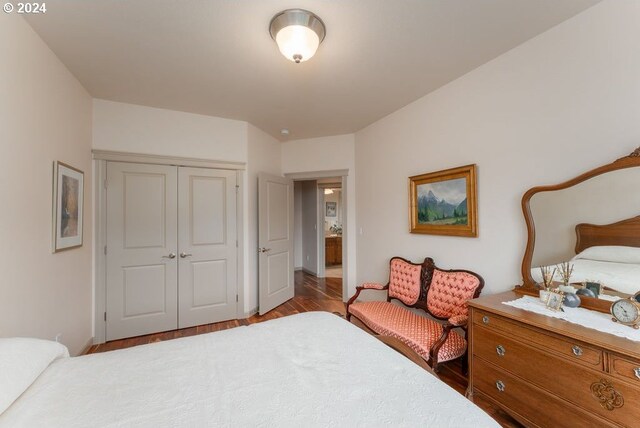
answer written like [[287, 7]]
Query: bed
[[609, 254], [310, 369]]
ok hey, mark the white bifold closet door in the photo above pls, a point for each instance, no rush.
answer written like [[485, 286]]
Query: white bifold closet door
[[207, 239], [171, 248]]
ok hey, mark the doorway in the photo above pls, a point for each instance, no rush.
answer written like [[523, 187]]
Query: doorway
[[318, 235], [331, 211]]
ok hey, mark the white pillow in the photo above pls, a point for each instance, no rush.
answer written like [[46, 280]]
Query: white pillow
[[611, 253], [21, 362]]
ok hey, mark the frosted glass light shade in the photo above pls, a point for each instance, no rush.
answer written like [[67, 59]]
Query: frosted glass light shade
[[297, 42], [298, 33]]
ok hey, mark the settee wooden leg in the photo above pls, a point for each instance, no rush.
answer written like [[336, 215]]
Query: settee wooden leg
[[465, 363]]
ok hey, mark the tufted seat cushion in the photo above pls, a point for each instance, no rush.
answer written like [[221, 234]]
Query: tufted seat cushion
[[416, 331]]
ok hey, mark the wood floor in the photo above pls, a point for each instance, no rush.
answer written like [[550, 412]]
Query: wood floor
[[311, 294]]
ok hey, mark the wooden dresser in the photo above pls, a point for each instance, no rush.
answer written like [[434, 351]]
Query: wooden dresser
[[550, 373]]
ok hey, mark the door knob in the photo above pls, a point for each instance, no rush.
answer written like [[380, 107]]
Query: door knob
[[184, 255], [170, 256], [263, 250]]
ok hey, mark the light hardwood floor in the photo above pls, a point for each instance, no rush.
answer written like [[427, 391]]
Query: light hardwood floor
[[311, 294]]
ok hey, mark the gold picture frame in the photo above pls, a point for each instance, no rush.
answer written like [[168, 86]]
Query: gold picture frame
[[68, 204], [594, 286], [444, 202], [555, 300]]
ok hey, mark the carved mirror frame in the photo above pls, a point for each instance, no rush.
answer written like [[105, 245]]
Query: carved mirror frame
[[529, 286]]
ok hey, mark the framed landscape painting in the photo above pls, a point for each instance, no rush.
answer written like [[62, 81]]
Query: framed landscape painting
[[68, 190], [444, 202]]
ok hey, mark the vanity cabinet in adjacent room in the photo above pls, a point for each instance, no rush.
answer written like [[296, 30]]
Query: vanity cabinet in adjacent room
[[333, 250]]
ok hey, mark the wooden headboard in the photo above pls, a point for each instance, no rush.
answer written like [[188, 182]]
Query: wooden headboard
[[625, 232]]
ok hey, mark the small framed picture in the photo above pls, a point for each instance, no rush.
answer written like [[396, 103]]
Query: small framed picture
[[596, 287], [555, 300], [332, 209], [68, 191]]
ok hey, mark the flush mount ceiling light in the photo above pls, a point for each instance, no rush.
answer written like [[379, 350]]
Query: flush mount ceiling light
[[298, 33], [328, 191]]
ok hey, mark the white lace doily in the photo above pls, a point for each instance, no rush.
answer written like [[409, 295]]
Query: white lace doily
[[584, 317]]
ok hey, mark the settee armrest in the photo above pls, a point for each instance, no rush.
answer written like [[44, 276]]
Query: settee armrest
[[366, 286], [373, 286], [459, 320]]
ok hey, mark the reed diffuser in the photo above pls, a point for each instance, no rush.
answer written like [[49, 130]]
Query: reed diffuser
[[566, 269], [547, 276]]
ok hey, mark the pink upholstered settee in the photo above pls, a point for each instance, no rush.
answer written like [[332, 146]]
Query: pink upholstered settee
[[441, 294]]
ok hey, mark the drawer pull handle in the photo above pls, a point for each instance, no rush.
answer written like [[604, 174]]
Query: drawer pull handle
[[577, 351], [636, 372], [500, 385], [485, 319], [500, 350]]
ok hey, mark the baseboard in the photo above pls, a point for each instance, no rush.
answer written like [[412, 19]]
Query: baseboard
[[305, 270], [87, 346], [251, 313], [298, 268]]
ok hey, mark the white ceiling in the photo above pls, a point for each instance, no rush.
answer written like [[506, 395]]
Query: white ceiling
[[216, 57]]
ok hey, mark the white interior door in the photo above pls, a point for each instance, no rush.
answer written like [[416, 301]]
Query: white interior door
[[207, 245], [142, 271], [275, 241]]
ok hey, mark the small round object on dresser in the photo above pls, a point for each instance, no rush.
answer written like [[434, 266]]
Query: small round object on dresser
[[626, 311], [571, 300], [586, 292]]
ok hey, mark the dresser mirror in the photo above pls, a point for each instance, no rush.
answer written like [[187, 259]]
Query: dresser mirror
[[593, 222]]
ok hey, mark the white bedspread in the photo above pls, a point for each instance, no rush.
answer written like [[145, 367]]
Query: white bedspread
[[311, 369]]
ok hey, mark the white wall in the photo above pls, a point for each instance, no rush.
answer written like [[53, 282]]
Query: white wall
[[328, 154], [297, 225], [137, 129], [263, 156], [45, 115], [310, 226], [563, 102]]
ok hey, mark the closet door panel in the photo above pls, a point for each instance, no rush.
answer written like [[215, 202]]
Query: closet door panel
[[142, 275], [207, 242]]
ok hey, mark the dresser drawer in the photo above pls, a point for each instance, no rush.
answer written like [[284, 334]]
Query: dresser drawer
[[589, 389], [576, 351], [625, 368], [537, 406]]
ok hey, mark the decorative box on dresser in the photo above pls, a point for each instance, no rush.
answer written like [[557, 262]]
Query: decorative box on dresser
[[547, 372]]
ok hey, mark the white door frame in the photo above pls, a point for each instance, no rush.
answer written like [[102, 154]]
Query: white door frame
[[315, 175], [100, 159], [321, 262]]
